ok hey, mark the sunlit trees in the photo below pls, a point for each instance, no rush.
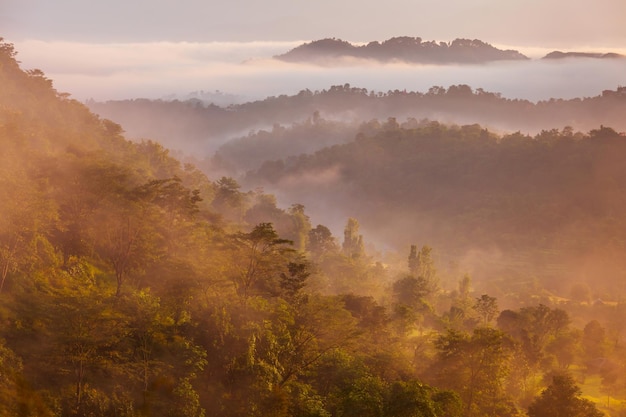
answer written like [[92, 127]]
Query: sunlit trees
[[410, 301], [321, 241], [486, 307], [476, 366], [26, 221], [87, 330], [228, 200], [10, 371], [124, 233], [412, 398], [260, 260], [534, 327], [562, 398], [301, 225], [126, 292]]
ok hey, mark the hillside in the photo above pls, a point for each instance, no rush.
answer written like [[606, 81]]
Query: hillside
[[404, 49], [596, 55], [132, 285], [201, 129], [547, 205]]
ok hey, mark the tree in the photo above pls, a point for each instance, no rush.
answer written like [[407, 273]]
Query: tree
[[10, 373], [125, 235], [534, 327], [301, 224], [562, 398], [612, 382], [412, 399], [260, 260], [352, 241], [426, 265], [294, 279], [594, 343], [155, 349], [486, 307], [565, 347], [411, 306], [87, 330], [475, 366], [463, 300], [411, 291], [422, 265], [321, 241], [228, 199], [26, 218]]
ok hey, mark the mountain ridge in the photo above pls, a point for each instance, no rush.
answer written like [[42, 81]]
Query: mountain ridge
[[404, 49], [574, 54]]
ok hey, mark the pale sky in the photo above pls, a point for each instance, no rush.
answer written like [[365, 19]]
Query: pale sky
[[542, 23], [115, 49]]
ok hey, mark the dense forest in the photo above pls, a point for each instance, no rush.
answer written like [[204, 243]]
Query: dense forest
[[198, 127], [507, 205], [131, 284]]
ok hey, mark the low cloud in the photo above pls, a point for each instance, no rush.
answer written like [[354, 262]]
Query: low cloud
[[324, 177], [163, 69]]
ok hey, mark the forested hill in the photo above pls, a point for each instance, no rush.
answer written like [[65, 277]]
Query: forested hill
[[547, 205], [132, 286], [201, 128], [594, 55], [404, 48]]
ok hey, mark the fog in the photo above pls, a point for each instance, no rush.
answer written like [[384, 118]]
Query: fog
[[246, 70]]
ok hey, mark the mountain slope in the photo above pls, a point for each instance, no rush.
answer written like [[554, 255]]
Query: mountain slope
[[551, 202], [404, 49], [202, 129]]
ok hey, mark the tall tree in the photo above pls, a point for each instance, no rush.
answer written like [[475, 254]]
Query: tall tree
[[301, 226], [125, 235], [352, 241], [321, 241], [476, 366], [562, 398], [229, 201], [260, 260], [486, 307]]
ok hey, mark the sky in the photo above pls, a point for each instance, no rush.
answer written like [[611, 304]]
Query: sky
[[153, 48], [549, 23]]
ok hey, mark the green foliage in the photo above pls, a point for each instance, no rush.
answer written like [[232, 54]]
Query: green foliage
[[261, 257], [486, 307], [10, 373], [414, 399], [132, 285], [543, 204], [321, 241], [534, 328], [476, 366], [562, 398]]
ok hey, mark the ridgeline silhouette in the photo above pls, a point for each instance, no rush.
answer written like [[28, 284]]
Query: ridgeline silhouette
[[403, 48]]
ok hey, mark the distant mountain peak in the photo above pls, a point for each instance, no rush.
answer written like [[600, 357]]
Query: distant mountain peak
[[402, 49], [596, 55]]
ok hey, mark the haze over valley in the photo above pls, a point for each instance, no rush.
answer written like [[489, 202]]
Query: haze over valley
[[325, 209], [160, 70]]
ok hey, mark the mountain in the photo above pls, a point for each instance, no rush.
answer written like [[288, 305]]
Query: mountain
[[132, 285], [401, 49], [596, 55], [202, 129], [547, 205]]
